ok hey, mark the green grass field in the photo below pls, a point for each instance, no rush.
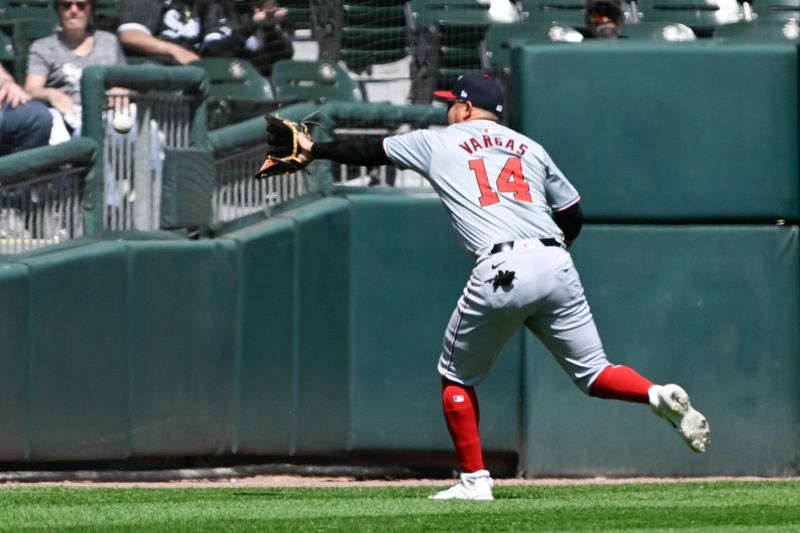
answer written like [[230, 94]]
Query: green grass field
[[706, 506]]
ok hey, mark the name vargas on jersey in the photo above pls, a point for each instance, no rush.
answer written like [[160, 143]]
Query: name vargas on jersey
[[477, 143]]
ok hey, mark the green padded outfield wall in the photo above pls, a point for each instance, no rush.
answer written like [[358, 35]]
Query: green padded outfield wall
[[322, 286], [316, 332], [329, 363], [266, 337], [77, 398], [407, 274], [180, 337], [16, 337], [667, 131], [293, 370], [713, 308]]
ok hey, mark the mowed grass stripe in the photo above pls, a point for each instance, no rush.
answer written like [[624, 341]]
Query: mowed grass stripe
[[723, 506]]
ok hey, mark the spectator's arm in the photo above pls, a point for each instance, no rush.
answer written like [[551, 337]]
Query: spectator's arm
[[146, 44], [35, 85], [10, 92]]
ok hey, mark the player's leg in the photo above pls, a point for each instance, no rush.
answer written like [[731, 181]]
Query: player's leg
[[618, 382], [462, 416], [566, 326], [475, 336]]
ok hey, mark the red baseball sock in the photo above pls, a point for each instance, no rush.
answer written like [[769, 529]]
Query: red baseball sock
[[621, 383], [461, 412]]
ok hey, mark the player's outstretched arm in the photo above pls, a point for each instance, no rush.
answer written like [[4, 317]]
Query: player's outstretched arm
[[367, 153]]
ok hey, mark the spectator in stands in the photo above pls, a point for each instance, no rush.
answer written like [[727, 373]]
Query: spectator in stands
[[56, 62], [24, 123], [175, 31], [604, 19], [258, 32]]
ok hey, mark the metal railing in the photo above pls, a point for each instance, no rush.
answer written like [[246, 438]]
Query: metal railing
[[384, 175], [48, 208], [133, 161], [237, 194], [41, 211]]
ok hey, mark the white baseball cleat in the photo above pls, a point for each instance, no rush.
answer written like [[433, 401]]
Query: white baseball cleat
[[473, 486], [671, 403]]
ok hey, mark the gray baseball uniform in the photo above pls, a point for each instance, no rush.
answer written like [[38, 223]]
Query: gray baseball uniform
[[499, 186]]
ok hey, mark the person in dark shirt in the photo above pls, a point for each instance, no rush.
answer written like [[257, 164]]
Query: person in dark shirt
[[176, 31]]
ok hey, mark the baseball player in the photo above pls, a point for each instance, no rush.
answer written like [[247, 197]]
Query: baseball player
[[517, 214]]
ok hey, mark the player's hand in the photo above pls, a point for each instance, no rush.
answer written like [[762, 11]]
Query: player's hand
[[305, 144], [289, 147], [12, 94]]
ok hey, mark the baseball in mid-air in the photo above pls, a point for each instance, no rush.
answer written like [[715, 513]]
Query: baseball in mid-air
[[122, 123]]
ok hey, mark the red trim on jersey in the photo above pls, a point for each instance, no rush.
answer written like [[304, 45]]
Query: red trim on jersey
[[573, 202]]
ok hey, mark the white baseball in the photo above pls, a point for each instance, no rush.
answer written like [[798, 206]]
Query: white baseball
[[122, 124]]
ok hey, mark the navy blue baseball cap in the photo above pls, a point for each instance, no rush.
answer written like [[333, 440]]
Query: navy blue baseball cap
[[479, 89]]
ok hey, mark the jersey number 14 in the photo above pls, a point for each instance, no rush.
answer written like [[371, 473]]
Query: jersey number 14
[[510, 180]]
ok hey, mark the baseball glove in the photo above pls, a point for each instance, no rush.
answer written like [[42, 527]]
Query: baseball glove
[[285, 155]]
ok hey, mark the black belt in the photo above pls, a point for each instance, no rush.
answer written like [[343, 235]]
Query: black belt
[[506, 246]]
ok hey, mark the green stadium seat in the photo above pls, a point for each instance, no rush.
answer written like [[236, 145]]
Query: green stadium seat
[[777, 9], [421, 6], [359, 59], [298, 16], [132, 59], [22, 33], [764, 30], [703, 16], [445, 40], [363, 38], [361, 33], [495, 49], [315, 81], [237, 90], [106, 15], [236, 78], [7, 53], [17, 9], [447, 76], [659, 31], [562, 11], [454, 56], [356, 15]]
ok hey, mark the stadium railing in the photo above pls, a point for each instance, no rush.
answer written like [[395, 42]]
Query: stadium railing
[[239, 151], [168, 106], [45, 193], [141, 177], [339, 121]]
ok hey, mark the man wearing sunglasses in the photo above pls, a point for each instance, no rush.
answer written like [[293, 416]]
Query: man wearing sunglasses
[[517, 214]]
